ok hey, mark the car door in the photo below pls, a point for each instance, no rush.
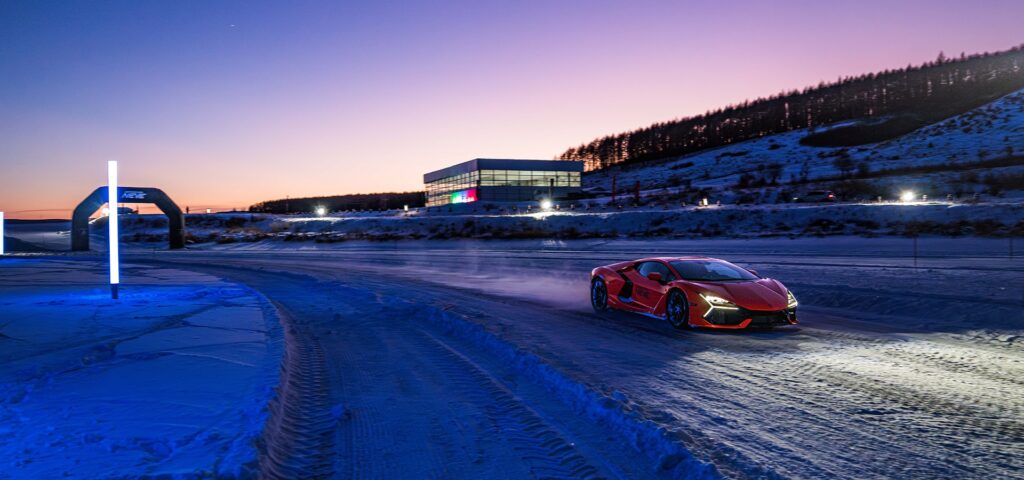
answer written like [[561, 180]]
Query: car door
[[648, 293]]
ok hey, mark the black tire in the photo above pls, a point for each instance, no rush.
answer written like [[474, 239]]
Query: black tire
[[677, 310], [599, 295]]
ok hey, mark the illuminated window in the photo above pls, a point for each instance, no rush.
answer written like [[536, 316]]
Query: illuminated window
[[497, 185]]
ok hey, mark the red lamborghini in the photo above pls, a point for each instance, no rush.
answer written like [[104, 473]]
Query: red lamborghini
[[693, 292]]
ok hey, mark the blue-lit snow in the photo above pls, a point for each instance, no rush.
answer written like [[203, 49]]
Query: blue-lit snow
[[172, 379]]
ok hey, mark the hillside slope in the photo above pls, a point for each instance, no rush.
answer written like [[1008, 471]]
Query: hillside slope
[[898, 101], [983, 140]]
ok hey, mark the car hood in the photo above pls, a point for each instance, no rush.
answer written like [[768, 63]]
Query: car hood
[[762, 294]]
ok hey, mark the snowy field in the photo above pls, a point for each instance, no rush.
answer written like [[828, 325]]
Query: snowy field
[[483, 359], [172, 379]]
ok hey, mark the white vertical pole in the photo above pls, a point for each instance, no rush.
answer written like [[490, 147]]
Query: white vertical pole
[[115, 274], [2, 234]]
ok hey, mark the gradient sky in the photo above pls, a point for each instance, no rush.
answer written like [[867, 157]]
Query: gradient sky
[[223, 104]]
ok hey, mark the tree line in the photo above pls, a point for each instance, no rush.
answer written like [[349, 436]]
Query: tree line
[[358, 201], [917, 94]]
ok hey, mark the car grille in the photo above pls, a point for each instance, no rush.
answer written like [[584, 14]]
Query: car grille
[[757, 318]]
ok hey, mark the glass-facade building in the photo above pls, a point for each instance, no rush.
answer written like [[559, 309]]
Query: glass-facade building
[[500, 180]]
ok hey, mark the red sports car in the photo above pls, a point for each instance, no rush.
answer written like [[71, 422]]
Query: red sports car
[[693, 292]]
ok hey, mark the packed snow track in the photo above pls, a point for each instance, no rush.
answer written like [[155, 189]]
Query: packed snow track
[[484, 360]]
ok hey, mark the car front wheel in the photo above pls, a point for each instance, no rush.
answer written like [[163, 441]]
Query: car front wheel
[[678, 310]]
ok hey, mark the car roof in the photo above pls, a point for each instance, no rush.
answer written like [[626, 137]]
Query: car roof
[[683, 258]]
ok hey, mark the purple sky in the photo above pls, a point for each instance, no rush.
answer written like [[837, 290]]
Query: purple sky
[[224, 104]]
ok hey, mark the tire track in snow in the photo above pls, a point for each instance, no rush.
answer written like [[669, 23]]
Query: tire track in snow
[[541, 447], [297, 440], [878, 415], [372, 323]]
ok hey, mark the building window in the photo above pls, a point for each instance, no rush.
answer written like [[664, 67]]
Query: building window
[[506, 185]]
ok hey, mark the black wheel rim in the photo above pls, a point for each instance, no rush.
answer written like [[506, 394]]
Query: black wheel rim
[[598, 295], [676, 310]]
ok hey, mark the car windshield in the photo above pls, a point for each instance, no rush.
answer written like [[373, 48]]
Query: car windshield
[[711, 271]]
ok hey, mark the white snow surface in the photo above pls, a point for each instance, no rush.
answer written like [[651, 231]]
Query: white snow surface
[[173, 379]]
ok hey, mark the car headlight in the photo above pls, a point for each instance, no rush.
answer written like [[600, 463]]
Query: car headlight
[[790, 300], [717, 302]]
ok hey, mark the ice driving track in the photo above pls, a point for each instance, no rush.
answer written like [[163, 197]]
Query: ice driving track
[[372, 391], [377, 387]]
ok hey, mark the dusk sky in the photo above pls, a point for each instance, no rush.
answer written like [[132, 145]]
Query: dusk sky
[[223, 104]]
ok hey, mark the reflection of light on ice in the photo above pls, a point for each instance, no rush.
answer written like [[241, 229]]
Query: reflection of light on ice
[[545, 214], [312, 219]]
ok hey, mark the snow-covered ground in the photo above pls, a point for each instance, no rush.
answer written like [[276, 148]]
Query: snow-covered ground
[[173, 379], [483, 359], [898, 370]]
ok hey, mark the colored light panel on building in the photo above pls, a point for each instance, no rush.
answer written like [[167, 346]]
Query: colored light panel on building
[[464, 196]]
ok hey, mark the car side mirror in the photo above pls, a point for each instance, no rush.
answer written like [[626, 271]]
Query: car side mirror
[[654, 277]]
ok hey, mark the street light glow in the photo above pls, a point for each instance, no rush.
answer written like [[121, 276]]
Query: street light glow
[[321, 211], [112, 231], [546, 204], [908, 196]]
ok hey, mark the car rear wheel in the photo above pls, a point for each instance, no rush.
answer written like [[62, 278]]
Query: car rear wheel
[[599, 295], [678, 310]]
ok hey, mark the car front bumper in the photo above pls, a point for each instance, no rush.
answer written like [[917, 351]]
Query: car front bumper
[[743, 318]]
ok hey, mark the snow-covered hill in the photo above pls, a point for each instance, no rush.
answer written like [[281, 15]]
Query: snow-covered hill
[[962, 143]]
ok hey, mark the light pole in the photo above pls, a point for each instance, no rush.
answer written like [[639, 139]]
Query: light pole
[[1, 233], [112, 230]]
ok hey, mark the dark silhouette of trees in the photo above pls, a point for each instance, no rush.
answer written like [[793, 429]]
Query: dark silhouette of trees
[[914, 96], [359, 201]]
